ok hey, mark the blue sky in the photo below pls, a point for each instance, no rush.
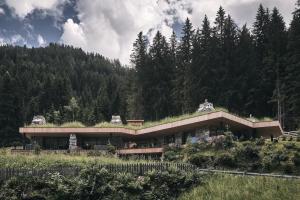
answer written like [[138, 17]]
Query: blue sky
[[109, 27]]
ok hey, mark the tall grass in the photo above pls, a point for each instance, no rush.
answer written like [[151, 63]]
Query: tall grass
[[43, 161], [229, 187]]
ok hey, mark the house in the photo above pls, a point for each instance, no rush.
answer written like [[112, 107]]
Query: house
[[138, 138]]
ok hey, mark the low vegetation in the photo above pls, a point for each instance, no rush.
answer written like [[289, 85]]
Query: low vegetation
[[256, 155], [228, 187], [96, 183], [53, 160]]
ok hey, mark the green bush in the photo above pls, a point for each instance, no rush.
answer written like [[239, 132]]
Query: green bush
[[283, 138], [260, 141], [296, 159], [288, 167], [201, 160], [96, 183], [95, 153], [111, 149], [172, 153], [247, 156], [225, 160], [36, 149], [290, 146], [298, 139]]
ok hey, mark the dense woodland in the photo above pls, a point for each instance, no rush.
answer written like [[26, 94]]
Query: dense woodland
[[249, 70]]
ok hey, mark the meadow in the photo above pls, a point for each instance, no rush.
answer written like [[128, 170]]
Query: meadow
[[229, 187], [50, 160]]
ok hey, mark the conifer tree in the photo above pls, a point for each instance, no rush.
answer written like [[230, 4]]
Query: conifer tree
[[139, 59], [182, 100], [9, 111], [292, 80]]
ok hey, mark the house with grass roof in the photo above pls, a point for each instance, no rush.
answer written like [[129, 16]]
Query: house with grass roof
[[139, 137]]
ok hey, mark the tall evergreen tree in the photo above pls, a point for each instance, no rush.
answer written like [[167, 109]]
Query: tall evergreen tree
[[9, 111], [161, 81], [139, 59], [183, 69], [261, 102], [275, 63], [292, 80], [244, 83]]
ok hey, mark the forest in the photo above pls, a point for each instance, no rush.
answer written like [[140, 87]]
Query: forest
[[248, 70]]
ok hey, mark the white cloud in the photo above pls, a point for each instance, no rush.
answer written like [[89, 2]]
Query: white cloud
[[17, 39], [73, 34], [41, 40], [110, 27], [22, 8], [2, 12], [2, 42]]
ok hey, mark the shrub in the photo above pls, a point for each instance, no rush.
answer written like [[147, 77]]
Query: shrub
[[298, 139], [225, 160], [228, 141], [224, 142], [260, 141], [172, 154], [36, 149], [291, 138], [111, 149], [283, 138], [201, 160], [290, 146], [296, 159], [288, 167], [97, 183], [95, 153], [247, 156]]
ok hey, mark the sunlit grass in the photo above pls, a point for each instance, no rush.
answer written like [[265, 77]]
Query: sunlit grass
[[51, 160], [73, 125], [229, 187], [149, 123]]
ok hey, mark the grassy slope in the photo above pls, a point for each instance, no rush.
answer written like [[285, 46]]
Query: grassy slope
[[228, 187], [43, 161]]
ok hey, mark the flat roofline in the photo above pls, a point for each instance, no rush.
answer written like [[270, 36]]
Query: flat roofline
[[184, 123]]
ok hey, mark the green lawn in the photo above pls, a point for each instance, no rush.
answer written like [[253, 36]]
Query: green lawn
[[229, 187]]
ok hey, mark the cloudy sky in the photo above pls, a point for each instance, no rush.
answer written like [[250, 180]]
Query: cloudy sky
[[109, 27]]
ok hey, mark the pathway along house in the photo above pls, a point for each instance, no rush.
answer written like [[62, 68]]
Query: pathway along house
[[150, 140]]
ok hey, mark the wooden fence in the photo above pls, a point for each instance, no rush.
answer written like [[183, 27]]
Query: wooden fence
[[134, 168]]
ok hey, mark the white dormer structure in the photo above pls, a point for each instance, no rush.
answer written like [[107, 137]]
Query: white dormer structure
[[38, 120], [116, 119], [206, 107]]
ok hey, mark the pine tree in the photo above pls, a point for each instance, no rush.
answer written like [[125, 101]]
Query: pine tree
[[275, 62], [161, 82], [292, 80], [9, 111], [229, 65], [261, 32], [139, 59], [182, 100], [245, 80]]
